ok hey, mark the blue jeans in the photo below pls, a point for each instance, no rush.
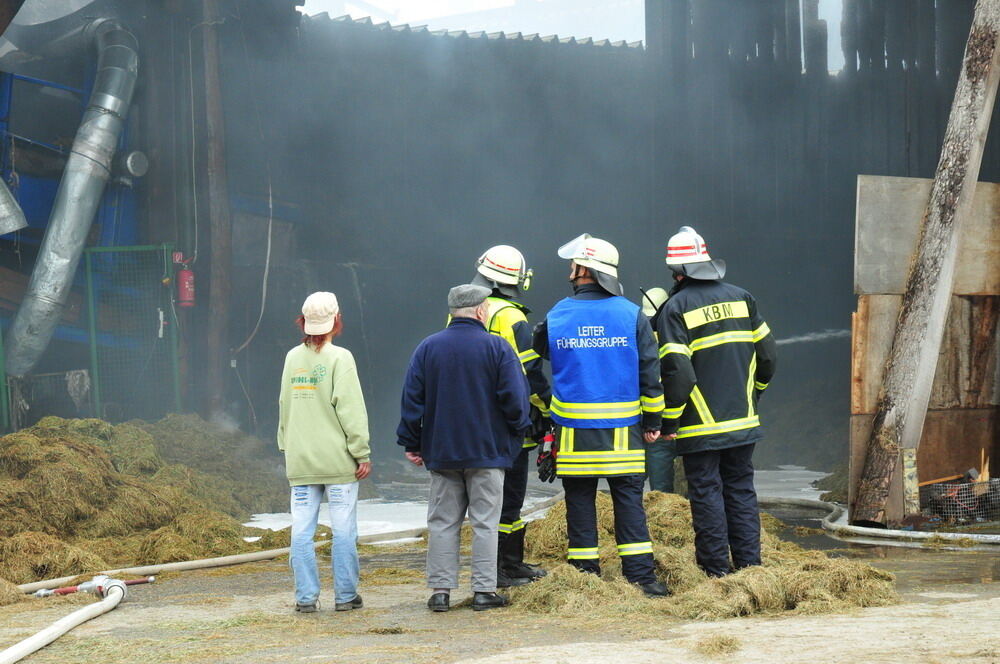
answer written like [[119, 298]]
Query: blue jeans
[[343, 499]]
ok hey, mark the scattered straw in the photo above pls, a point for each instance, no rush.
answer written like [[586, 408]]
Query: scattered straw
[[718, 644], [390, 576], [791, 578]]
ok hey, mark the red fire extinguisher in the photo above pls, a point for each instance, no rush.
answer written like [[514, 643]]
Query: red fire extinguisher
[[185, 281]]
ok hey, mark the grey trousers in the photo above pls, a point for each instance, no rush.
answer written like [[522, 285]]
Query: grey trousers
[[453, 492]]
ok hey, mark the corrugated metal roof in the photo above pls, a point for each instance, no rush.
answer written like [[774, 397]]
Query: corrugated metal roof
[[319, 20]]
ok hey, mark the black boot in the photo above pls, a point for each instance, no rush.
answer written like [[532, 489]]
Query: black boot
[[506, 581], [484, 601], [512, 558], [654, 589]]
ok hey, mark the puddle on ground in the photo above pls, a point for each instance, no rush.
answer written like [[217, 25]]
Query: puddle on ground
[[919, 570]]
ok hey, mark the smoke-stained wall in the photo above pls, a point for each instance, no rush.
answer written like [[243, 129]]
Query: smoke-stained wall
[[396, 156], [407, 154], [759, 146]]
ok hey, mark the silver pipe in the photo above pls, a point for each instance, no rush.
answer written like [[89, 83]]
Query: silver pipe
[[87, 171], [11, 216]]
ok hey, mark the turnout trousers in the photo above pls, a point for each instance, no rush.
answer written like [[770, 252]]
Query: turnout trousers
[[723, 508], [511, 530], [631, 532]]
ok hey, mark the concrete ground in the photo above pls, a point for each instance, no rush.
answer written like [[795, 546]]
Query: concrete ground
[[950, 613]]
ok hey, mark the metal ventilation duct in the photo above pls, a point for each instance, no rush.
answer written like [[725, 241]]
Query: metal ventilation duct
[[87, 172], [11, 216]]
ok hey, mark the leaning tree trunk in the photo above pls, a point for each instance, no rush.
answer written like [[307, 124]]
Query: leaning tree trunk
[[902, 402]]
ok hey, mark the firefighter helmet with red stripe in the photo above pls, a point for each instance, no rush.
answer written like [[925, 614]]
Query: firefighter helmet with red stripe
[[504, 264], [599, 255], [687, 254]]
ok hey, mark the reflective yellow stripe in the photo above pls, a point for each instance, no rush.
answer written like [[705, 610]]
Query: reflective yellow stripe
[[753, 370], [602, 470], [619, 440], [673, 413], [537, 402], [511, 527], [735, 336], [652, 404], [590, 553], [761, 332], [760, 386], [594, 456], [565, 441], [701, 406], [528, 355], [719, 427], [716, 312], [635, 549], [674, 348], [595, 411], [598, 455]]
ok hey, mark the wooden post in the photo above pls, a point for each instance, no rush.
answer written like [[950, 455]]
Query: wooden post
[[902, 403], [219, 218]]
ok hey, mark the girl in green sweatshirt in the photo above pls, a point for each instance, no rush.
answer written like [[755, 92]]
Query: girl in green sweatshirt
[[323, 431]]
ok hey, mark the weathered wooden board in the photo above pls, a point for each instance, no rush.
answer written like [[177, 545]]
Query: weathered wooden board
[[968, 369], [889, 210]]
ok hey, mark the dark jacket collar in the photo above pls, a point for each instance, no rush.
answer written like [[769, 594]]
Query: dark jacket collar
[[466, 321], [689, 281], [589, 291]]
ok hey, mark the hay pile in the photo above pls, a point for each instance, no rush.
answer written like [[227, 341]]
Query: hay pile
[[791, 578], [246, 475], [835, 485], [9, 594], [77, 496]]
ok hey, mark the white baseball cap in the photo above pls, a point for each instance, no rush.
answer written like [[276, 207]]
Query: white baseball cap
[[320, 310]]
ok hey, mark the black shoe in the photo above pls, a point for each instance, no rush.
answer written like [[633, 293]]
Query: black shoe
[[654, 589], [307, 608], [523, 571], [505, 581], [355, 603], [484, 601], [439, 602]]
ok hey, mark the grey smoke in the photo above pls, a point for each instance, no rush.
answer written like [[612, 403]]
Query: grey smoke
[[816, 336]]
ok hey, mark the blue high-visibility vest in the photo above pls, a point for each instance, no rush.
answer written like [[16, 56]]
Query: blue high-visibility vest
[[595, 363]]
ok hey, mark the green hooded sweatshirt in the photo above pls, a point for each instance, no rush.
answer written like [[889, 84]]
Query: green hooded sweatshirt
[[322, 422]]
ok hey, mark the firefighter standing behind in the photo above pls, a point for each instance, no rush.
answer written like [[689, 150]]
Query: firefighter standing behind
[[606, 399], [717, 356], [503, 270], [660, 454]]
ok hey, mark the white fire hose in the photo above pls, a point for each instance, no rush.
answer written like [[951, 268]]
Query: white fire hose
[[112, 591]]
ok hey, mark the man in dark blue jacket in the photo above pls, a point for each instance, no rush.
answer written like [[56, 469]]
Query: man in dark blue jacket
[[464, 414]]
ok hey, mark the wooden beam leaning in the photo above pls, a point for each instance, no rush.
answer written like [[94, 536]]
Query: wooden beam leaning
[[903, 399], [220, 268]]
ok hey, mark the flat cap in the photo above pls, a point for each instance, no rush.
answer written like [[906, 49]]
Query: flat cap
[[467, 295]]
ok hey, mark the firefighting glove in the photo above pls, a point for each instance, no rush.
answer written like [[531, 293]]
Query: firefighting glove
[[547, 452]]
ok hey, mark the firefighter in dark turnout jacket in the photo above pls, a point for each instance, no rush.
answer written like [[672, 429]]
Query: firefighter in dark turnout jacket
[[503, 270], [660, 454], [606, 399], [717, 356]]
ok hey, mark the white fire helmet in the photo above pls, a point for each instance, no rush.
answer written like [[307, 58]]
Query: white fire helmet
[[505, 265], [688, 254], [599, 255]]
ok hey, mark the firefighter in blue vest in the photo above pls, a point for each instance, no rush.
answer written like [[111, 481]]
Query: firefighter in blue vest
[[717, 357], [606, 400], [504, 271]]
